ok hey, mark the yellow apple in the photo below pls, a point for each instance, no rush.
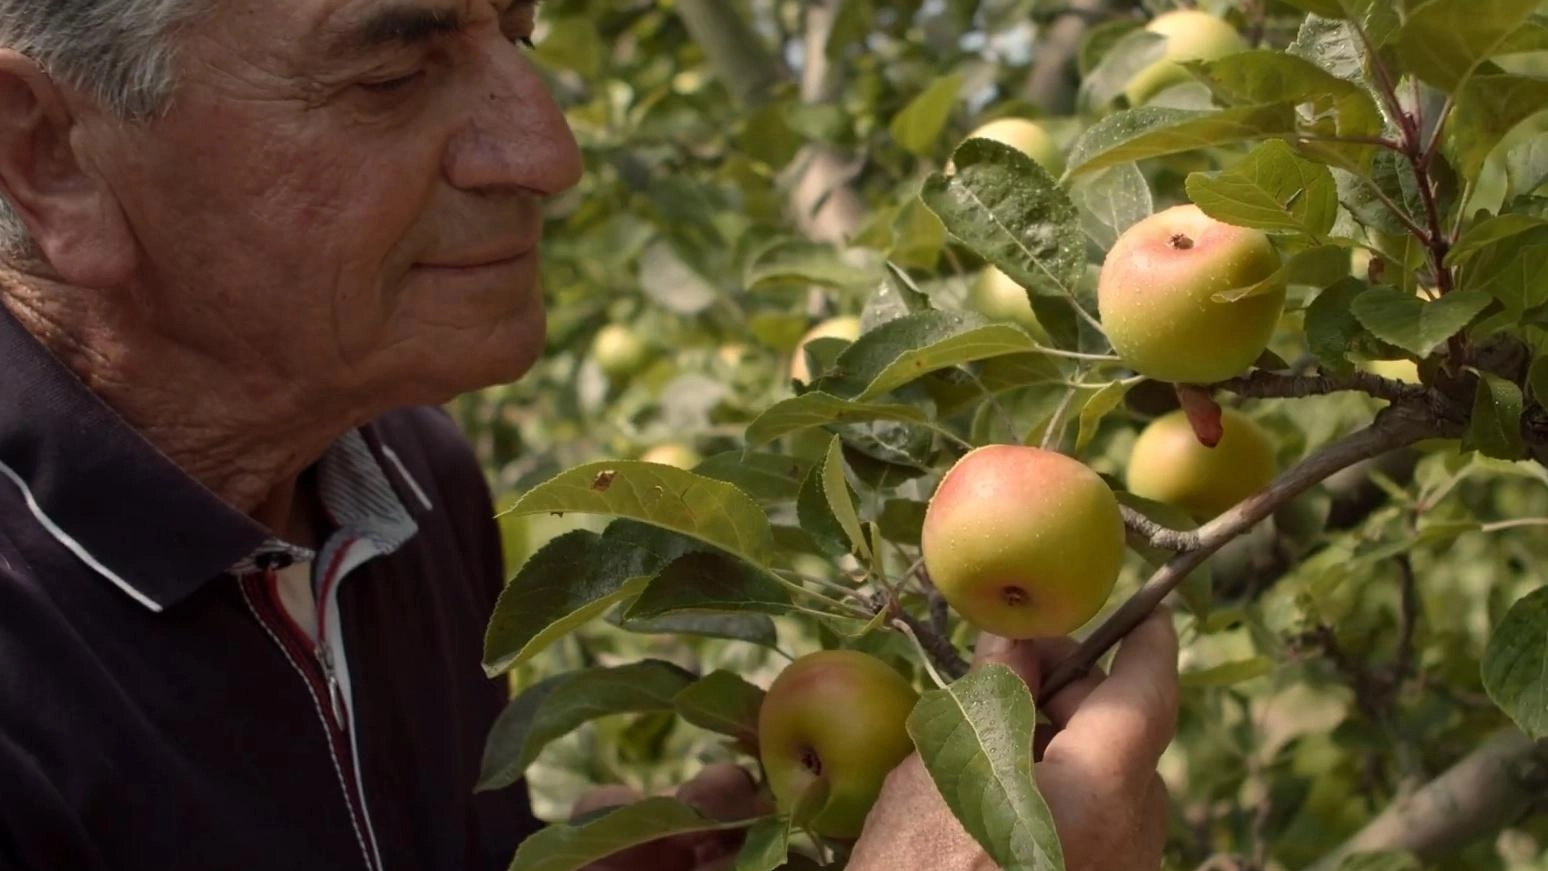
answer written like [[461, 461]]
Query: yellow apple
[[837, 717], [672, 454], [1190, 35], [1168, 464], [1025, 136], [999, 298], [843, 327], [1156, 290], [619, 351], [1023, 542]]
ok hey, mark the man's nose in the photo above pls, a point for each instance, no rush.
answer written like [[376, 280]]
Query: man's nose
[[516, 135]]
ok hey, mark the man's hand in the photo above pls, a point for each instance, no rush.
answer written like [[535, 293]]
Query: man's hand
[[1096, 767], [722, 791]]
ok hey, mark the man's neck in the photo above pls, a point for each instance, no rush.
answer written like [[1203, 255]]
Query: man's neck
[[243, 433]]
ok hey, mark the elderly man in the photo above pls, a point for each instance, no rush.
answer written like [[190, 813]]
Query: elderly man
[[244, 569]]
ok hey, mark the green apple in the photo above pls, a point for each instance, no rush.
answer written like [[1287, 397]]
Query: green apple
[[619, 351], [844, 327], [1023, 542], [672, 454], [1190, 35], [1397, 370], [1025, 136], [1169, 464], [999, 298], [836, 717], [1156, 290]]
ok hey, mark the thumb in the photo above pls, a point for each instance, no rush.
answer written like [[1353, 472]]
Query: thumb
[[1020, 656]]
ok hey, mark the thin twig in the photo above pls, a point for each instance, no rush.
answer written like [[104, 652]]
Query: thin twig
[[1408, 621], [1395, 427], [1157, 535], [1513, 524], [924, 655]]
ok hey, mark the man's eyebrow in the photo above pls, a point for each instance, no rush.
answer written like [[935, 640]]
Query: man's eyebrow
[[401, 25]]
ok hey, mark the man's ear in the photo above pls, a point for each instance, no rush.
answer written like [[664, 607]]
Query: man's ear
[[72, 216]]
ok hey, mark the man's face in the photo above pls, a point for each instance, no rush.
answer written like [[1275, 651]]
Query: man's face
[[348, 194]]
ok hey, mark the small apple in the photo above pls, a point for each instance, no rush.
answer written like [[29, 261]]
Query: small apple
[[999, 298], [1156, 294], [1025, 136], [619, 351], [836, 716], [844, 327], [1190, 35], [672, 454], [1023, 542], [1168, 464], [1397, 370]]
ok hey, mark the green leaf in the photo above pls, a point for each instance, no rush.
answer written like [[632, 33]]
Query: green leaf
[[1414, 324], [1331, 328], [1271, 189], [801, 262], [815, 514], [919, 125], [1153, 131], [1487, 108], [553, 708], [712, 511], [700, 582], [1013, 213], [841, 501], [1113, 200], [975, 739], [767, 477], [1526, 165], [557, 590], [1490, 232], [1515, 664], [1495, 430], [992, 377], [1513, 270], [1383, 861], [1336, 107], [815, 408], [722, 702], [1228, 674], [563, 847], [1537, 379], [752, 628], [767, 847], [1097, 407], [910, 347], [1444, 41]]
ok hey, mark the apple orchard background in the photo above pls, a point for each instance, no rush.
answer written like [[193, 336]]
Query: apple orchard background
[[757, 166]]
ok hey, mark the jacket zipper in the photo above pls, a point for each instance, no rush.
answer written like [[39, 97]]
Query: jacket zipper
[[314, 662]]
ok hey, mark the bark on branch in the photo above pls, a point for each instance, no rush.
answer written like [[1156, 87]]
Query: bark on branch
[[1395, 427], [1486, 791]]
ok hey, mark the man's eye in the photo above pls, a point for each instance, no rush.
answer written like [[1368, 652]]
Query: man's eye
[[393, 85]]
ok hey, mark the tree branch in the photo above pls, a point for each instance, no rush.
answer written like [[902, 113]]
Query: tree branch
[[1156, 535], [1264, 384], [1394, 427], [1051, 84], [1477, 797]]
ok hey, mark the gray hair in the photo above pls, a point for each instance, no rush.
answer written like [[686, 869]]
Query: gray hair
[[120, 52]]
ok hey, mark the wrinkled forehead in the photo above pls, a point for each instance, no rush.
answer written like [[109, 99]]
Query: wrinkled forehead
[[335, 30]]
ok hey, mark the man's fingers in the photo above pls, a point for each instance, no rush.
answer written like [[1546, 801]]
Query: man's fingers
[[608, 795], [1020, 656], [724, 791], [1127, 721]]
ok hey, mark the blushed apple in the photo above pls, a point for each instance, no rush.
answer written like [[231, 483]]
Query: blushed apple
[[1023, 542], [1156, 296], [836, 717]]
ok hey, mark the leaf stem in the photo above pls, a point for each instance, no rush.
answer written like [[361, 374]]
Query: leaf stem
[[1514, 524], [924, 655]]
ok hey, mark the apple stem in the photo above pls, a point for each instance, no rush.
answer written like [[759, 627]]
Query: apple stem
[[1396, 426], [1157, 535]]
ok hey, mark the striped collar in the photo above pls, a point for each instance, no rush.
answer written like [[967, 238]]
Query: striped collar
[[136, 518]]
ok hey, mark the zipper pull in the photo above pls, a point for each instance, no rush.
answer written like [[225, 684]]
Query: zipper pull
[[335, 695]]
